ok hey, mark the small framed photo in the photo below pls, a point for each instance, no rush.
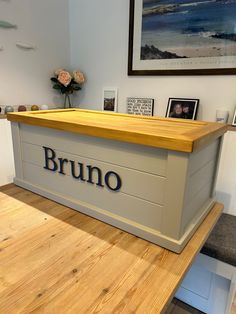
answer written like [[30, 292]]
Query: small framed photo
[[183, 108], [110, 99], [234, 118], [140, 106]]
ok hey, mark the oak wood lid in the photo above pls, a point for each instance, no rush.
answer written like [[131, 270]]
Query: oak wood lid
[[168, 133]]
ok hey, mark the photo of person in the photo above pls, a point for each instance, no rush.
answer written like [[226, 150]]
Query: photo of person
[[177, 111], [110, 99], [182, 108]]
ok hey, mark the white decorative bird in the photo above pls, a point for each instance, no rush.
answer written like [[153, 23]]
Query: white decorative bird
[[25, 46]]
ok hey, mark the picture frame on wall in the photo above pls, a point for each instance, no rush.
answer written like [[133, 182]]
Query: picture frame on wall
[[183, 108], [174, 38], [109, 99], [234, 118], [140, 106]]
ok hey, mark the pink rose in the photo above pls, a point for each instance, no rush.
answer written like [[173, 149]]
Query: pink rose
[[64, 78], [78, 77]]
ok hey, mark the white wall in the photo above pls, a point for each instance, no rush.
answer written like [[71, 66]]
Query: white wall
[[25, 75], [99, 47]]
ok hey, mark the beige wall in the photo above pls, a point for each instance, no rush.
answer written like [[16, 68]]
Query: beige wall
[[99, 46], [25, 75]]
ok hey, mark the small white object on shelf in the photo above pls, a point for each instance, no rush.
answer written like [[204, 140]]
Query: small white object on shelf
[[44, 107], [222, 115], [8, 109]]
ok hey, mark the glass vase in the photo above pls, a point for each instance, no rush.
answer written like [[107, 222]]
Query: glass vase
[[67, 102]]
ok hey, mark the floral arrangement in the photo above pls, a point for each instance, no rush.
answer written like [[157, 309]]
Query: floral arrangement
[[67, 83]]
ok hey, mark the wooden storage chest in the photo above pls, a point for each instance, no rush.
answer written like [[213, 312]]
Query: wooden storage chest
[[153, 177]]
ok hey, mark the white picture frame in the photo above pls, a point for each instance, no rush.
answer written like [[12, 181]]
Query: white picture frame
[[109, 99], [234, 118]]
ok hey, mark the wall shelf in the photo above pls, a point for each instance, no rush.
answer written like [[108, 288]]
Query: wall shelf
[[231, 128]]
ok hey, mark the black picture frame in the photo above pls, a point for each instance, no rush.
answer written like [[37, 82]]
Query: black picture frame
[[182, 104], [218, 69], [140, 106]]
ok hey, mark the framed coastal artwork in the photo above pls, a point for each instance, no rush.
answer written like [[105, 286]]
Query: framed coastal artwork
[[183, 108], [182, 37]]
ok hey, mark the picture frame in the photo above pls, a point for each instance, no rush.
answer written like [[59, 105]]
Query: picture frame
[[176, 39], [109, 99], [183, 108], [234, 118], [140, 106]]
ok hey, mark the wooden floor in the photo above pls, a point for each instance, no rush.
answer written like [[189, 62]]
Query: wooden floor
[[56, 260]]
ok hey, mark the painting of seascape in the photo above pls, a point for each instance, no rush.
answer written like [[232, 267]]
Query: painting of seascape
[[185, 28], [185, 34]]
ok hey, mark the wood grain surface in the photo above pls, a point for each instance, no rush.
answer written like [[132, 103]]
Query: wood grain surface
[[174, 134], [231, 128], [56, 260]]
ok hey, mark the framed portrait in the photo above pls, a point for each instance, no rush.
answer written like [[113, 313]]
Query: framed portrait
[[169, 37], [109, 99], [183, 108], [234, 118]]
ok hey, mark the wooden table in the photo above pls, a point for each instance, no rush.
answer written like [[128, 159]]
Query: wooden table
[[56, 260]]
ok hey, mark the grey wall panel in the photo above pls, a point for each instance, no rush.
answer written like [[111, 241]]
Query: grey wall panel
[[117, 203], [199, 159], [196, 205], [136, 183], [133, 156], [199, 179], [200, 182], [174, 193]]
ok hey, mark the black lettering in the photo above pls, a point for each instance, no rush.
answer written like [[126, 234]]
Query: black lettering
[[77, 171], [80, 176], [90, 175], [50, 156], [62, 161], [118, 179]]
